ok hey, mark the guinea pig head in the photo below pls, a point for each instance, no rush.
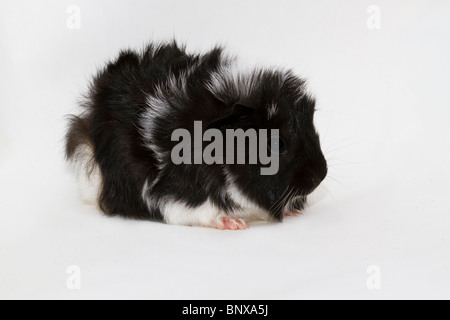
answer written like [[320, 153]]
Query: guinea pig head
[[277, 102]]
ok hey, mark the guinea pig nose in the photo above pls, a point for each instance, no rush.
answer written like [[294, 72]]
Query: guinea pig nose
[[321, 169], [319, 176], [324, 172]]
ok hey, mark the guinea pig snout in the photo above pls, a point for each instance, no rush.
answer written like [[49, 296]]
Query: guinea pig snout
[[321, 173], [314, 173]]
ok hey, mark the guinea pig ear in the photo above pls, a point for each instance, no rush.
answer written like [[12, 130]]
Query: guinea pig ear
[[239, 116]]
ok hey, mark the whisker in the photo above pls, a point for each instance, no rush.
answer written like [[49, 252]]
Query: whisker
[[289, 197], [336, 143], [329, 192], [281, 203], [329, 123], [280, 199], [337, 182], [336, 148], [335, 165]]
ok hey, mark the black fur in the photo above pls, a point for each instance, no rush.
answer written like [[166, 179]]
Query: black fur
[[113, 125]]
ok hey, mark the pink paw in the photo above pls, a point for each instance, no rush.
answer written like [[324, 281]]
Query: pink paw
[[292, 213], [229, 223]]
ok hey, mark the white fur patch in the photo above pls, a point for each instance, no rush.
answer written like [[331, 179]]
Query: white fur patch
[[144, 190], [272, 111], [229, 83], [158, 107], [206, 215], [289, 203], [250, 211]]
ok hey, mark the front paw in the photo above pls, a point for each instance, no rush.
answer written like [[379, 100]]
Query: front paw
[[229, 223], [292, 213]]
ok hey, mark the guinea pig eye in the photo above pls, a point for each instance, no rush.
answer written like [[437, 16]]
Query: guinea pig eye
[[277, 141]]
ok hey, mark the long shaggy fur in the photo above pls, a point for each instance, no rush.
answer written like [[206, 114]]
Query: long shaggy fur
[[137, 101]]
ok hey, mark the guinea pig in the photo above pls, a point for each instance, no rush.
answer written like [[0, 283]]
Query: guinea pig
[[123, 142]]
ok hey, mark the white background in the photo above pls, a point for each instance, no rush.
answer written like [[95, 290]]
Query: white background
[[384, 113]]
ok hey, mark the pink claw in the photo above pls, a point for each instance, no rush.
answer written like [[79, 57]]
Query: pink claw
[[229, 223]]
